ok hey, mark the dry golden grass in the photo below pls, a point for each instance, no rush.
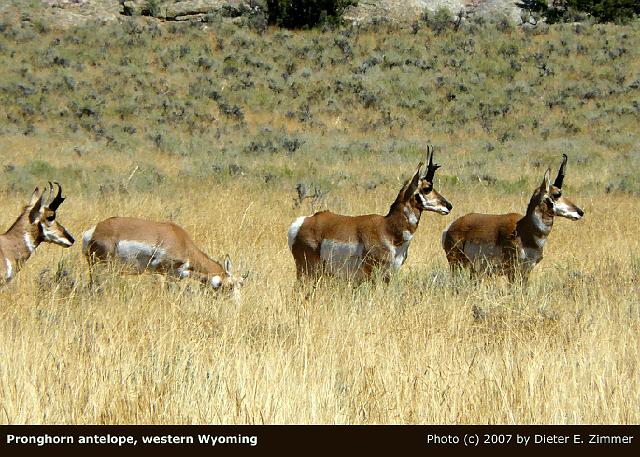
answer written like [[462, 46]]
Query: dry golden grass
[[145, 350]]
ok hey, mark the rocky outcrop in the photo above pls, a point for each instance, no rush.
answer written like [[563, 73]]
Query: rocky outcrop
[[190, 9], [75, 12], [409, 10]]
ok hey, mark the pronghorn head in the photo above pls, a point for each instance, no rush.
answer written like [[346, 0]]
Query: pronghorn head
[[228, 282], [550, 199], [420, 193], [42, 217]]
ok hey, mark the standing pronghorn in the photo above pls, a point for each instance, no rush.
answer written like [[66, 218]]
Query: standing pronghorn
[[161, 247], [354, 246], [509, 244], [36, 224]]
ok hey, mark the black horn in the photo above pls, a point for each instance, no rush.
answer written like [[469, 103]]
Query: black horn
[[560, 177], [431, 167], [58, 199]]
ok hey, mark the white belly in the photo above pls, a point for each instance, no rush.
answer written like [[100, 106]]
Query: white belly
[[140, 255], [341, 258], [483, 256]]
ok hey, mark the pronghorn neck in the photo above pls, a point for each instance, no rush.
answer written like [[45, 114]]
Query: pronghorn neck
[[21, 240], [204, 266], [535, 226], [402, 220]]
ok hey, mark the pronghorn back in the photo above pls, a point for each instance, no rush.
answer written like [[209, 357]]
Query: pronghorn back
[[342, 244], [162, 247], [105, 238], [510, 244], [480, 237], [355, 246]]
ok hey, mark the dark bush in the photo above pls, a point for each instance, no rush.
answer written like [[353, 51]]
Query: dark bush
[[618, 11], [439, 20], [297, 14]]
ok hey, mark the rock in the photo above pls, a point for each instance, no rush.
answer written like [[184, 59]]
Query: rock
[[189, 9], [368, 11], [68, 13]]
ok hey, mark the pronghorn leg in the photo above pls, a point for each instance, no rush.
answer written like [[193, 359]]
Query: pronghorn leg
[[94, 278], [308, 261], [517, 276], [91, 263]]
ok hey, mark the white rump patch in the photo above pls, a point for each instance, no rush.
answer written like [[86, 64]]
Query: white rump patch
[[444, 234], [343, 258], [86, 238], [294, 229], [140, 255]]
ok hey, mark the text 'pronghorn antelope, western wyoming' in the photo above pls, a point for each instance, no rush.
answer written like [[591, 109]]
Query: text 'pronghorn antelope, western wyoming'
[[36, 224], [162, 247], [354, 246], [509, 244]]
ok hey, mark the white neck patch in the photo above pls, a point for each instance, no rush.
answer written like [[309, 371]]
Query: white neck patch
[[539, 240], [9, 269], [539, 223], [216, 281], [410, 215], [28, 242]]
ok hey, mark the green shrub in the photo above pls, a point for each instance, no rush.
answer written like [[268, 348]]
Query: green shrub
[[439, 20], [619, 11]]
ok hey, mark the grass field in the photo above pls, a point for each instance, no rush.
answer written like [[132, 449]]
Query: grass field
[[214, 128]]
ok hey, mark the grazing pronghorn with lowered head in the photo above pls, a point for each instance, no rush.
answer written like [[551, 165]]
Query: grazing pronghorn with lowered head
[[354, 246], [37, 224], [162, 247], [509, 244]]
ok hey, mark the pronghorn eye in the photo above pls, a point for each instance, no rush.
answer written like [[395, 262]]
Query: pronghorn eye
[[557, 195], [51, 218]]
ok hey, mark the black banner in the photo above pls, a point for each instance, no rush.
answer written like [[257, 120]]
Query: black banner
[[320, 440]]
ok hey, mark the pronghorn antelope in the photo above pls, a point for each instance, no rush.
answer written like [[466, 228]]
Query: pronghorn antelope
[[36, 224], [161, 247], [355, 246], [509, 244]]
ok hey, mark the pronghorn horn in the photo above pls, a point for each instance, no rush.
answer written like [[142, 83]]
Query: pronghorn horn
[[560, 177], [48, 199], [58, 199], [431, 168]]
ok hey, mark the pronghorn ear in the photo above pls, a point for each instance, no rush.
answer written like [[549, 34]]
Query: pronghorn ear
[[36, 206], [413, 184], [227, 265], [546, 181], [34, 197]]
